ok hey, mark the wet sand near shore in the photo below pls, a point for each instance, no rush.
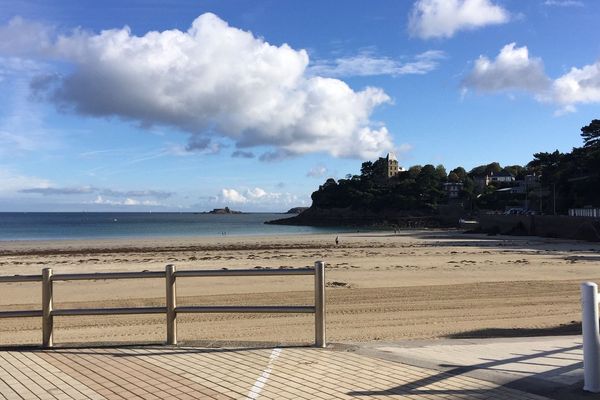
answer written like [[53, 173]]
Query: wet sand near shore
[[381, 286]]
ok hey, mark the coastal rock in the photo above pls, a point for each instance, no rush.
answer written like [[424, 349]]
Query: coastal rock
[[225, 210], [296, 210], [360, 218]]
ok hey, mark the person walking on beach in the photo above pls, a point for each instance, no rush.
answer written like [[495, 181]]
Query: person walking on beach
[[337, 240]]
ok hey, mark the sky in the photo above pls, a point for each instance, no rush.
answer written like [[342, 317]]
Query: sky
[[194, 105]]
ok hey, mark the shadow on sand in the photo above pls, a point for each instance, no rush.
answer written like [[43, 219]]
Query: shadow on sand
[[573, 328]]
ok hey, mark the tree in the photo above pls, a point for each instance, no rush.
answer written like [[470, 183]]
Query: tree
[[591, 134], [414, 171], [366, 169], [543, 162], [461, 173], [517, 171], [441, 171], [493, 168]]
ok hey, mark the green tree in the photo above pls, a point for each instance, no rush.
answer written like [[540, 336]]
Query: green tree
[[441, 172], [461, 173], [591, 134], [493, 168]]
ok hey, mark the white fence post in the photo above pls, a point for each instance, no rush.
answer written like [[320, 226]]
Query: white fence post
[[591, 337]]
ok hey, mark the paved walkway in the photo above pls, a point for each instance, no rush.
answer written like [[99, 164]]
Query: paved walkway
[[551, 366], [197, 373]]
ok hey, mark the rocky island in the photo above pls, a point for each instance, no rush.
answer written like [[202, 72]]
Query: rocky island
[[225, 210]]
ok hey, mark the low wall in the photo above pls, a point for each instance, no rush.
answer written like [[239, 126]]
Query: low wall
[[556, 226]]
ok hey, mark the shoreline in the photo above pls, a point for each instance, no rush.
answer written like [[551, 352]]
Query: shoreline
[[167, 242]]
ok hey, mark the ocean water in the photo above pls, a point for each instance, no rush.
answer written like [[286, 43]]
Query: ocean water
[[41, 226]]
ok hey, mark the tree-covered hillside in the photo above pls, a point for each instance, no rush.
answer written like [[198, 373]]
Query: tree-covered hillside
[[561, 180]]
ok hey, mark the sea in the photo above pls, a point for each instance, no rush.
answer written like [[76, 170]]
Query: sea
[[84, 225]]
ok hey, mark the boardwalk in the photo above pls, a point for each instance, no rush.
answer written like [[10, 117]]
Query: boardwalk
[[197, 373]]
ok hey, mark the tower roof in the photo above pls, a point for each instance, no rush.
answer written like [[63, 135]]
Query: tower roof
[[392, 156]]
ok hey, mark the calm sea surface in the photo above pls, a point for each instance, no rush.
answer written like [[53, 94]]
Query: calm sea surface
[[38, 226]]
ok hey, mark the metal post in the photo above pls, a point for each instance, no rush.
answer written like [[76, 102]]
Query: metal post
[[591, 337], [320, 304], [171, 304], [47, 305]]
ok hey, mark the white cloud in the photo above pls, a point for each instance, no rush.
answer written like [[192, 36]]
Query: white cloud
[[514, 69], [232, 195], [125, 202], [255, 196], [443, 18], [563, 3], [366, 64], [318, 171], [579, 85], [24, 38], [511, 69], [12, 181], [213, 81]]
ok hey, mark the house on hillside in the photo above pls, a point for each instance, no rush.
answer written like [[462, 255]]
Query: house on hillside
[[502, 177], [482, 181], [530, 182], [498, 177], [453, 189], [393, 167]]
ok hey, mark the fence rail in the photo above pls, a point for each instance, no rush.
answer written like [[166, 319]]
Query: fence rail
[[170, 309], [585, 212]]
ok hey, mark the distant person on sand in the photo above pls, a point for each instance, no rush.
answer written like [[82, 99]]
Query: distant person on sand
[[337, 240]]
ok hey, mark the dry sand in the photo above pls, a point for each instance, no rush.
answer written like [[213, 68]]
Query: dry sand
[[418, 284]]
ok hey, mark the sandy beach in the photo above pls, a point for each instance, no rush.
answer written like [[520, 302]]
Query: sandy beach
[[381, 286]]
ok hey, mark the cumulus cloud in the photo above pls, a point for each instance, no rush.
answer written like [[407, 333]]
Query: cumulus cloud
[[212, 81], [24, 38], [579, 85], [443, 18], [318, 171], [366, 64], [255, 196], [514, 69], [511, 69], [233, 196]]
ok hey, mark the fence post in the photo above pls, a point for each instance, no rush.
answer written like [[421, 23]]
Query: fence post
[[171, 304], [320, 304], [591, 337], [47, 305]]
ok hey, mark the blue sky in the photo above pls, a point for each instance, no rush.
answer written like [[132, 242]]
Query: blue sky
[[192, 105]]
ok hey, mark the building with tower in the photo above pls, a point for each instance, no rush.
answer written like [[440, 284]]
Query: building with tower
[[393, 167]]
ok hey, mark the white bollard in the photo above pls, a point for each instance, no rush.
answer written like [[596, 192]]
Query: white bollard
[[591, 337]]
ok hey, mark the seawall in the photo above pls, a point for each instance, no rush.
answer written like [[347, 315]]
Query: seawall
[[554, 226]]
